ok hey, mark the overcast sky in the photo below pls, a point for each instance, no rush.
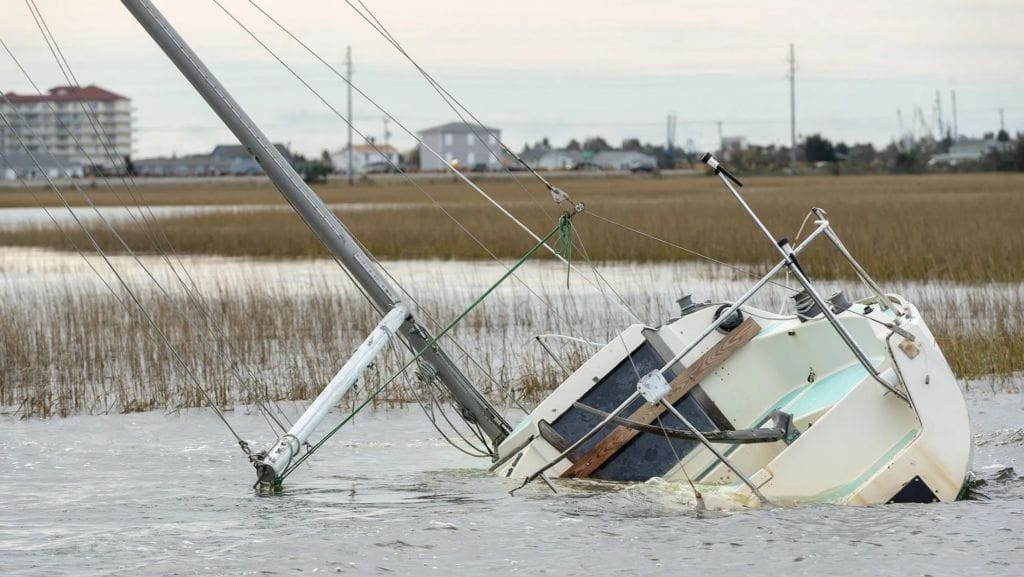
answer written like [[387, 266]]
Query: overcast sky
[[561, 69]]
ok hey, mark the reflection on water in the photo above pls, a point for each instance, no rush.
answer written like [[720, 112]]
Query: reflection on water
[[158, 494]]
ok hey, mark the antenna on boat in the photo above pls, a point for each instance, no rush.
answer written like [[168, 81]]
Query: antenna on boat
[[333, 234]]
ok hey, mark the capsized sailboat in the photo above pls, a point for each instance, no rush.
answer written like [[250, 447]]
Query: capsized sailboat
[[841, 402]]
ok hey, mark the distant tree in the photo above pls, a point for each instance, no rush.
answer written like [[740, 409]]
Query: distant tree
[[573, 145], [632, 144], [596, 144], [818, 149], [326, 157], [129, 166], [542, 144], [1003, 136], [861, 156], [1018, 153], [946, 142], [842, 149], [526, 148]]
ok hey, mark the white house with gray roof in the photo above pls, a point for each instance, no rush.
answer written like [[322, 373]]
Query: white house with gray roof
[[467, 145]]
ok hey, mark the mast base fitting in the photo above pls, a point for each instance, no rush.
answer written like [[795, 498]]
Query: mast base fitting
[[265, 474]]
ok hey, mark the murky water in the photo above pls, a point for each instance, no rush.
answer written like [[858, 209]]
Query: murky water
[[159, 494], [14, 218]]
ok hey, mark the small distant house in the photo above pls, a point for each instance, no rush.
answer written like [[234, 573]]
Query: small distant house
[[366, 158], [191, 165], [968, 150], [623, 160], [239, 160], [466, 145], [23, 166], [225, 159], [552, 158]]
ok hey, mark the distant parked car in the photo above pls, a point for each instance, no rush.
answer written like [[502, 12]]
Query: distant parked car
[[586, 166], [639, 166], [378, 167]]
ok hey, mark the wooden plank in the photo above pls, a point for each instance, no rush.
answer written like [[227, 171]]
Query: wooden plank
[[681, 385], [697, 393]]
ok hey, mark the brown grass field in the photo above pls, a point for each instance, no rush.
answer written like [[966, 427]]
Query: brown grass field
[[956, 227], [964, 228]]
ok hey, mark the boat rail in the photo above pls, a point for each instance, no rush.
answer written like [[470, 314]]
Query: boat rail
[[788, 261]]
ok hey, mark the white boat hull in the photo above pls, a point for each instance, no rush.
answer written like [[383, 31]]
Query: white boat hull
[[858, 443]]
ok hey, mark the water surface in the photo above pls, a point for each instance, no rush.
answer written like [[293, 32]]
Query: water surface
[[169, 494]]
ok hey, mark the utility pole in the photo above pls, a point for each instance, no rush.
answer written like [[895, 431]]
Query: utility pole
[[956, 129], [792, 109], [1002, 124], [721, 140], [670, 136], [348, 73]]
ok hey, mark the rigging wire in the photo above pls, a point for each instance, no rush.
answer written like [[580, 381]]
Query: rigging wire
[[454, 170], [127, 289], [452, 102], [65, 66], [455, 105], [192, 291], [433, 341], [622, 303], [390, 162], [649, 236], [429, 413]]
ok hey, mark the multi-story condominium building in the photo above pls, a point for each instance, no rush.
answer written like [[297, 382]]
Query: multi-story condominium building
[[466, 145], [50, 124]]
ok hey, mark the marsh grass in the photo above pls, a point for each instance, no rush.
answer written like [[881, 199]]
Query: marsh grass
[[67, 350], [71, 349], [963, 228]]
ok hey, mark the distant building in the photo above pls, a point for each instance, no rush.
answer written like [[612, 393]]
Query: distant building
[[366, 158], [552, 158], [241, 161], [191, 165], [968, 150], [623, 160], [468, 145], [225, 159], [51, 123], [22, 165]]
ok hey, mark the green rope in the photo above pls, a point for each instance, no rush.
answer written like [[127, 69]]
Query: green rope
[[564, 245], [563, 229]]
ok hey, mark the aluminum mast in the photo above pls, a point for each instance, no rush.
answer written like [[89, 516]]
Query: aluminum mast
[[328, 229]]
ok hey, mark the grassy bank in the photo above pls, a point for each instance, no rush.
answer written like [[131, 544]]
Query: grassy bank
[[955, 227], [69, 348], [65, 350]]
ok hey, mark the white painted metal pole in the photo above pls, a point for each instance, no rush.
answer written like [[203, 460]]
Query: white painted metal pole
[[288, 446]]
